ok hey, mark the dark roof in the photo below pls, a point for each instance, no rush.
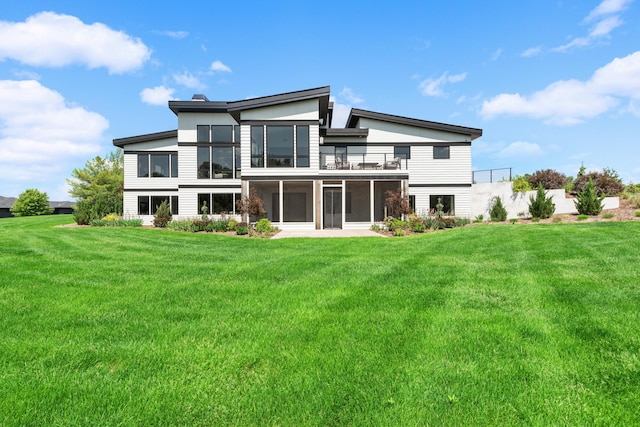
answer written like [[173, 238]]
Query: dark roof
[[121, 142], [354, 132], [355, 114], [234, 107], [7, 202]]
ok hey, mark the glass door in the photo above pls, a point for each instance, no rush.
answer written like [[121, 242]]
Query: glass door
[[332, 208]]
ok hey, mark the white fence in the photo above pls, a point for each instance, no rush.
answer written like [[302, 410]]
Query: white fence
[[517, 204]]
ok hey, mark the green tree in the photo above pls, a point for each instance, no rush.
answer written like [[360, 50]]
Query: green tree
[[98, 187], [587, 201], [541, 206], [498, 212], [31, 202]]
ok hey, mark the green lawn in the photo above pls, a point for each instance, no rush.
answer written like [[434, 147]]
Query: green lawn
[[486, 325]]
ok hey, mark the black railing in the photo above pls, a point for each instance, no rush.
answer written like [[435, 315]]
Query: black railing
[[491, 175], [362, 161]]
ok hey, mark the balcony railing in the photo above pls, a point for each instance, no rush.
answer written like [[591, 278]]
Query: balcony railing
[[362, 162], [491, 175]]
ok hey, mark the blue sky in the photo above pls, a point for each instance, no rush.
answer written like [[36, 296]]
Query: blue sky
[[553, 84]]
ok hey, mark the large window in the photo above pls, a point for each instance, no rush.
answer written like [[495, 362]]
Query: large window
[[280, 146], [302, 146], [216, 162], [447, 201], [158, 165], [217, 203], [441, 152], [222, 133], [148, 205]]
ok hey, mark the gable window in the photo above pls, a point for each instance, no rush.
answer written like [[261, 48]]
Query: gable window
[[402, 151], [163, 165], [279, 146], [222, 133], [447, 201], [203, 133], [441, 152]]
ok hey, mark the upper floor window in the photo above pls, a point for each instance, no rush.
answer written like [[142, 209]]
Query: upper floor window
[[402, 151], [281, 148], [203, 133], [163, 165], [302, 146], [222, 133], [217, 162], [441, 152]]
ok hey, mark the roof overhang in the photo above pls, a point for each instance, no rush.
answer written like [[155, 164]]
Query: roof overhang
[[356, 114], [121, 142]]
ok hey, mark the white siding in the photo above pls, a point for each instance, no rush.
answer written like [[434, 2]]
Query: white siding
[[302, 110], [392, 132], [424, 169], [188, 122], [462, 198]]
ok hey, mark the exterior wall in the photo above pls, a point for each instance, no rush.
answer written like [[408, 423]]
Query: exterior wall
[[424, 169], [462, 198], [301, 110], [380, 132], [188, 122], [517, 204]]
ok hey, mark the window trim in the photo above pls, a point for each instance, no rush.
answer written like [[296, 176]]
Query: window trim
[[438, 155]]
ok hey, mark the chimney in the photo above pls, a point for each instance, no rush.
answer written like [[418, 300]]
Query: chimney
[[199, 97]]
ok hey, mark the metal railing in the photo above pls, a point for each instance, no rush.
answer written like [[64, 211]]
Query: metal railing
[[362, 161], [487, 176]]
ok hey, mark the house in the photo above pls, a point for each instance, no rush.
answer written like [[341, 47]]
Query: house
[[308, 174], [58, 207]]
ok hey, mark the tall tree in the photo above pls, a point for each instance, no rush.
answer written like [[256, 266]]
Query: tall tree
[[31, 202], [98, 187]]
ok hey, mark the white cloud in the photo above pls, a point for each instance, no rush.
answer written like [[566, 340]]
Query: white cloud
[[174, 34], [54, 40], [158, 95], [607, 7], [340, 113], [26, 75], [219, 67], [435, 87], [532, 51], [606, 20], [188, 80], [351, 97], [41, 134], [495, 55], [568, 102], [521, 149]]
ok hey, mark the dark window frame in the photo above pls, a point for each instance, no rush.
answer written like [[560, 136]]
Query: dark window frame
[[146, 159], [441, 152], [402, 151]]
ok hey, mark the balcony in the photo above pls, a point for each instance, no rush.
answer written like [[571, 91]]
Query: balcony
[[360, 162]]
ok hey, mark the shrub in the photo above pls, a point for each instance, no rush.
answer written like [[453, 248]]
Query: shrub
[[232, 224], [399, 232], [587, 201], [637, 214], [31, 202], [182, 225], [607, 216], [263, 226], [606, 183], [549, 178], [163, 214], [116, 222], [376, 228], [417, 226], [514, 220], [582, 217], [82, 213], [498, 212], [393, 224], [520, 184], [218, 226], [535, 219], [242, 229], [541, 206], [251, 206], [479, 218], [397, 203]]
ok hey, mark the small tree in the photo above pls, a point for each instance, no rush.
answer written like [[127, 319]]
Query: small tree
[[251, 205], [549, 178], [31, 202], [397, 203], [498, 212], [587, 201], [541, 206], [163, 214]]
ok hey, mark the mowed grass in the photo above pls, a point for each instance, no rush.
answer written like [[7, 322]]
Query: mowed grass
[[488, 325]]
